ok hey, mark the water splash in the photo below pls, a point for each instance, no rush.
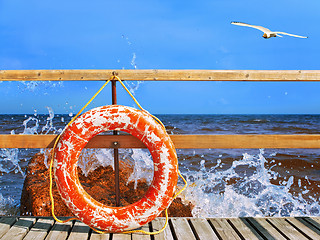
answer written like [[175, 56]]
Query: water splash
[[49, 124], [9, 158], [31, 129], [132, 85], [143, 166], [140, 160], [8, 206], [31, 125], [13, 161], [42, 86], [245, 189], [91, 159], [133, 61], [9, 161]]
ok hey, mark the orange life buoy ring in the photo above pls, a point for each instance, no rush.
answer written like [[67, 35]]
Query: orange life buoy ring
[[139, 124]]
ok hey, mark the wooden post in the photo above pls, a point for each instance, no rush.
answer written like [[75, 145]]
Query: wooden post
[[116, 150]]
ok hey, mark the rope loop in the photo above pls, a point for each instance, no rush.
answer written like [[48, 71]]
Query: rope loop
[[114, 77]]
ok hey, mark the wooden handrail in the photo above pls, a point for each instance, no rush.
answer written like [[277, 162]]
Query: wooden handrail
[[160, 75], [180, 141]]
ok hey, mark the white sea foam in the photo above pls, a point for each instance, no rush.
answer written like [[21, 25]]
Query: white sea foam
[[250, 194], [241, 190]]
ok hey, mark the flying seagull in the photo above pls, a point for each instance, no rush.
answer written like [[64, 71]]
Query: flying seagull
[[266, 32]]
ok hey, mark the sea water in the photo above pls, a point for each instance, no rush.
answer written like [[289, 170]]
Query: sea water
[[222, 182]]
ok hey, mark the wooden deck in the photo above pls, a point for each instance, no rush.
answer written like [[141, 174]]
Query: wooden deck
[[15, 228]]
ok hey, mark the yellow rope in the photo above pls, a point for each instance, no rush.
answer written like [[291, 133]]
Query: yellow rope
[[55, 145], [135, 100], [52, 159]]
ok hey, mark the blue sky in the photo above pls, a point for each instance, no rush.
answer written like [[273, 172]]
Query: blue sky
[[164, 34]]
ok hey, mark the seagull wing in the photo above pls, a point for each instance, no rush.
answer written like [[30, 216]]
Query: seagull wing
[[263, 29], [290, 34]]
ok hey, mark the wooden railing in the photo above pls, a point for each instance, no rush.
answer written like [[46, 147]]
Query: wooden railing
[[180, 141], [160, 75]]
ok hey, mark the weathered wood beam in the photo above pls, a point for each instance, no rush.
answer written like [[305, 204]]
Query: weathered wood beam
[[160, 75], [180, 141]]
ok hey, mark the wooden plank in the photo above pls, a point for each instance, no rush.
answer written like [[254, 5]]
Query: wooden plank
[[286, 228], [47, 141], [60, 231], [182, 228], [247, 231], [246, 141], [265, 228], [316, 219], [40, 230], [304, 228], [314, 226], [121, 236], [141, 236], [203, 229], [313, 221], [224, 229], [5, 224], [80, 230], [157, 224], [180, 141], [160, 75], [98, 236], [19, 229]]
